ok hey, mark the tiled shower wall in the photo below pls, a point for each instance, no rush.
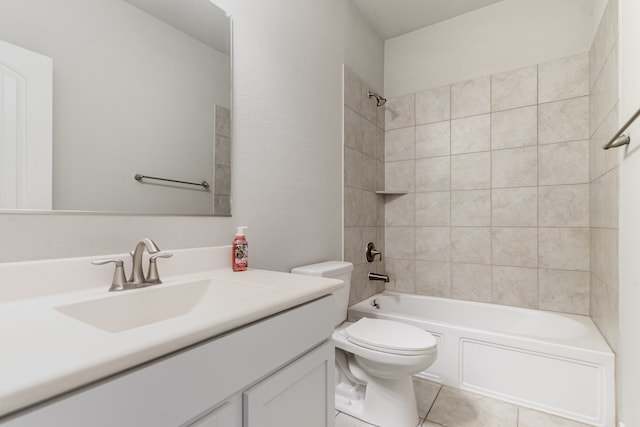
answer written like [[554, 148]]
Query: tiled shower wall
[[222, 163], [497, 174], [363, 175], [604, 121]]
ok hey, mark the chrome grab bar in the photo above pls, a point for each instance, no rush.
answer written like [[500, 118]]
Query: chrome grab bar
[[619, 139], [140, 177]]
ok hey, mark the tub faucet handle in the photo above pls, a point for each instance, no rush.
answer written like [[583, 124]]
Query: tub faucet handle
[[371, 252]]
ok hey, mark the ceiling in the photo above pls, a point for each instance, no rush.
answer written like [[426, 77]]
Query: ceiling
[[201, 19], [393, 18]]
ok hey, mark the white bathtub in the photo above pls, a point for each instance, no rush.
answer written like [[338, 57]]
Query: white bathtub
[[552, 362]]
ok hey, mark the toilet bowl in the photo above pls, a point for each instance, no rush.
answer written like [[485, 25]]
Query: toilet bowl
[[375, 359]]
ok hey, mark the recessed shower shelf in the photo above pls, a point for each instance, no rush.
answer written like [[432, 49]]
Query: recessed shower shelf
[[391, 192]]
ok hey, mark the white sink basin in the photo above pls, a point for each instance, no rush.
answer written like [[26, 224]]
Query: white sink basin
[[117, 312]]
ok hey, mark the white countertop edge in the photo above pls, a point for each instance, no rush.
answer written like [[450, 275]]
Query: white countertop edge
[[136, 346]]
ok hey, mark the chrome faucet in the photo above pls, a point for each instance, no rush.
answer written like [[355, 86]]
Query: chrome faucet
[[137, 275], [381, 277]]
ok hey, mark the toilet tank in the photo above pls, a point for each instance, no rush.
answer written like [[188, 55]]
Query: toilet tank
[[335, 270]]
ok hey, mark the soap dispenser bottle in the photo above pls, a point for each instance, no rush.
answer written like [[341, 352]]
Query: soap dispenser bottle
[[240, 251]]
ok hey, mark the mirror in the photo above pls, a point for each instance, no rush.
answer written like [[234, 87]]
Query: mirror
[[138, 87]]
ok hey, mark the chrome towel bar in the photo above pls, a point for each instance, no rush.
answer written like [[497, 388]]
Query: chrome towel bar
[[140, 177], [619, 139]]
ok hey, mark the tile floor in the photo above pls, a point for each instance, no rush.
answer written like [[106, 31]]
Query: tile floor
[[440, 406]]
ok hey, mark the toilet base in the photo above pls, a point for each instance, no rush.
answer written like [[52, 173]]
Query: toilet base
[[382, 402]]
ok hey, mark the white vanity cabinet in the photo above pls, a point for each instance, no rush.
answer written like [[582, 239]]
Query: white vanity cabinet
[[276, 372]]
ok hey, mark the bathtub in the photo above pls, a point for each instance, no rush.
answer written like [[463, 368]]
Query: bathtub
[[552, 362]]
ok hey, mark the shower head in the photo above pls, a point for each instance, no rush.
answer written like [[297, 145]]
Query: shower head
[[379, 100]]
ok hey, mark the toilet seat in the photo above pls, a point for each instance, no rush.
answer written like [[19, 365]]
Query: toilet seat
[[391, 337]]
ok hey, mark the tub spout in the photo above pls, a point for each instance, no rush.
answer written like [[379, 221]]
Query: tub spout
[[376, 276]]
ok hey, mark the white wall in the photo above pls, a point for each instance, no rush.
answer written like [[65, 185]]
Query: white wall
[[131, 95], [287, 167], [500, 37], [629, 304], [364, 50], [287, 151]]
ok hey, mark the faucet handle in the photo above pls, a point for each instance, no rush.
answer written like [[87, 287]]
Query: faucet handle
[[152, 275], [371, 252], [119, 281]]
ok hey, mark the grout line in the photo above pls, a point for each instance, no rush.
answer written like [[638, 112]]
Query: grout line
[[537, 187], [433, 404], [491, 226], [450, 211]]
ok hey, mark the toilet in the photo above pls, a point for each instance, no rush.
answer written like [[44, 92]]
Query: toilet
[[375, 358]]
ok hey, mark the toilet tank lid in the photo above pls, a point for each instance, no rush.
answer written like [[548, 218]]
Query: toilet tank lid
[[324, 269]]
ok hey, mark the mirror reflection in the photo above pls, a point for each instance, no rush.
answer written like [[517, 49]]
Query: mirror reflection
[[137, 87]]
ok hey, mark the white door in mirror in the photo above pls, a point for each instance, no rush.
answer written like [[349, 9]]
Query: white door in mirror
[[26, 105]]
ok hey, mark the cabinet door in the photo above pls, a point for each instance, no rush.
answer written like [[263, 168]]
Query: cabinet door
[[300, 394], [229, 414]]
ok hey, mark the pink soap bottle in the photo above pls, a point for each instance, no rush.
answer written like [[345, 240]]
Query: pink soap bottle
[[240, 251]]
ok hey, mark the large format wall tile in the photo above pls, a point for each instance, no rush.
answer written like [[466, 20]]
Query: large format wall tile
[[604, 122], [433, 139], [471, 97], [471, 171], [400, 175], [514, 207], [352, 91], [433, 244], [514, 246], [513, 89], [604, 310], [433, 278], [471, 245], [364, 172], [400, 211], [564, 78], [564, 248], [402, 275], [564, 163], [517, 167], [604, 255], [604, 200], [400, 242], [564, 206], [515, 286], [471, 282], [433, 209], [400, 144], [353, 129], [400, 112], [433, 174], [514, 128], [471, 208], [571, 297], [563, 120], [499, 188], [471, 134], [604, 95], [602, 161], [433, 105]]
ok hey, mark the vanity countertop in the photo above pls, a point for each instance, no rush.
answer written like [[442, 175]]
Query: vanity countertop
[[46, 353]]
